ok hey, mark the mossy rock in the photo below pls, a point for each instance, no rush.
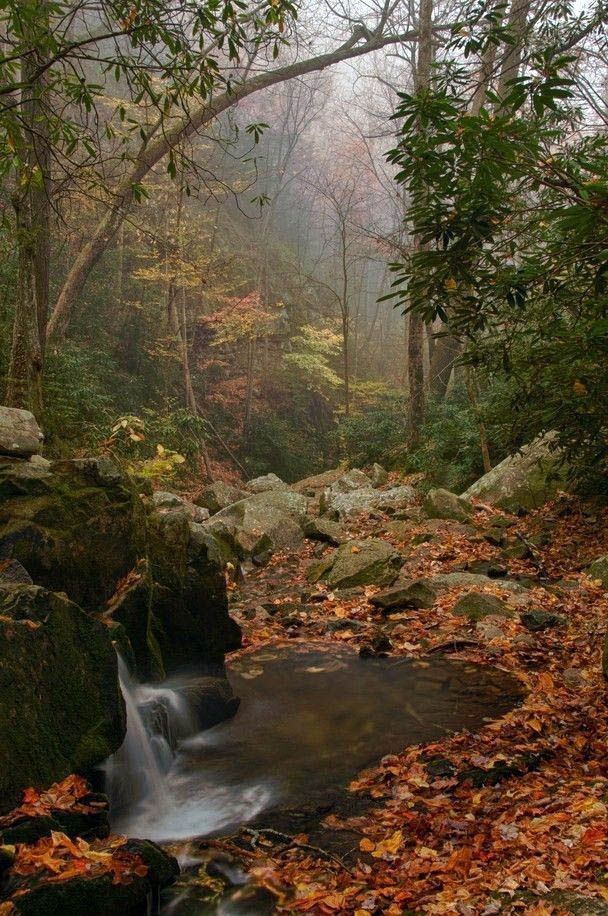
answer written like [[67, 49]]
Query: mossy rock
[[188, 606], [525, 480], [477, 605], [416, 594], [99, 896], [442, 504], [599, 570], [76, 527], [366, 562], [61, 710]]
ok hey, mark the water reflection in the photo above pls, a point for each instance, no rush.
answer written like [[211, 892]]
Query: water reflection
[[308, 722]]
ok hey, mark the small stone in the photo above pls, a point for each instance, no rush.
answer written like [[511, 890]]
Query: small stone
[[488, 631], [165, 500], [351, 481], [525, 641], [599, 570], [495, 536], [382, 644], [536, 621], [12, 572], [477, 605], [415, 594], [573, 677], [517, 550]]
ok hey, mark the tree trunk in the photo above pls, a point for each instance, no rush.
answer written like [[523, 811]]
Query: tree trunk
[[473, 393], [416, 404], [251, 347], [512, 57], [32, 224], [415, 376], [445, 353]]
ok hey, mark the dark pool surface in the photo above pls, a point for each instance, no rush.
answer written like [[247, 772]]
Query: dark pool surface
[[309, 720]]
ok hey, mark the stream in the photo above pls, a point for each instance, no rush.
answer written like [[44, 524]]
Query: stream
[[310, 719]]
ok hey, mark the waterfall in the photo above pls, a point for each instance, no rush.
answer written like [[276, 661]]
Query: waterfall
[[157, 717], [167, 781]]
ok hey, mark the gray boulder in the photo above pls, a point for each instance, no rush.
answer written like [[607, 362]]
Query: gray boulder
[[443, 504], [219, 495], [367, 562], [324, 530], [165, 500], [314, 485], [523, 481], [351, 481], [366, 500], [379, 476], [266, 483], [273, 520], [20, 435]]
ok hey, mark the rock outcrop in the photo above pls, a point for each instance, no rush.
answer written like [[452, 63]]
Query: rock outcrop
[[262, 523], [523, 481], [366, 499], [61, 709]]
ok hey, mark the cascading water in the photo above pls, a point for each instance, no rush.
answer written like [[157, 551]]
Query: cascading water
[[152, 790]]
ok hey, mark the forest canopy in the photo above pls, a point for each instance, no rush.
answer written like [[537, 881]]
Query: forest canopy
[[256, 243]]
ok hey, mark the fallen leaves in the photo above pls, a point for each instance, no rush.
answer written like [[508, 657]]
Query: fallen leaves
[[514, 812], [70, 794], [58, 858]]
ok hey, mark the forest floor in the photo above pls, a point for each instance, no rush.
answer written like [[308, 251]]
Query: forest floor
[[511, 819]]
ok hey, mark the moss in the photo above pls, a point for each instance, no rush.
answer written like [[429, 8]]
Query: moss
[[61, 706], [477, 605], [71, 533]]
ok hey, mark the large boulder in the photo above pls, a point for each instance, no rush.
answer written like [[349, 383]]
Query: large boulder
[[273, 520], [188, 601], [20, 435], [314, 485], [367, 562], [76, 526], [352, 480], [366, 499], [61, 709], [266, 483], [442, 504], [219, 495], [81, 527], [523, 481]]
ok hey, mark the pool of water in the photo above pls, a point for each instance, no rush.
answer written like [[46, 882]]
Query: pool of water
[[309, 720]]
